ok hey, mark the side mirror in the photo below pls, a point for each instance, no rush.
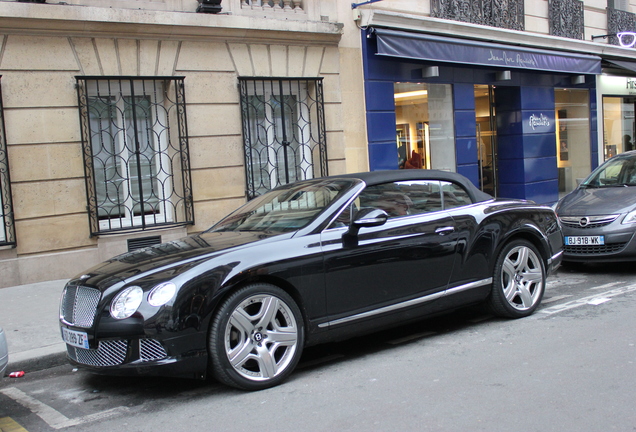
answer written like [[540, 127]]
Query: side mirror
[[365, 218]]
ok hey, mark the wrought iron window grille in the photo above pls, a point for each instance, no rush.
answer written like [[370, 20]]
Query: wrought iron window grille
[[507, 14], [136, 155], [288, 5], [566, 18], [284, 132], [7, 233]]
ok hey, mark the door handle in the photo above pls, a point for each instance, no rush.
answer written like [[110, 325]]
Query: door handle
[[445, 230]]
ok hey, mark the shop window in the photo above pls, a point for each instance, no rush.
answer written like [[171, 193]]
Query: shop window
[[7, 233], [572, 137], [619, 129], [135, 153], [283, 132], [425, 132]]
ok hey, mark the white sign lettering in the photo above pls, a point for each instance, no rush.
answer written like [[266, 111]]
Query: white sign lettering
[[539, 121]]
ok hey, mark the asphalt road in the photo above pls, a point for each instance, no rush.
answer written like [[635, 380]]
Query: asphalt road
[[569, 367]]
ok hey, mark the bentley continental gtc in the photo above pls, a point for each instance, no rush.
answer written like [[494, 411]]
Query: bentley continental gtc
[[307, 263]]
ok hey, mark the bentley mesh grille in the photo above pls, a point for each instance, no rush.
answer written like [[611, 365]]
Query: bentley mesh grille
[[594, 250], [108, 353], [150, 349], [79, 305]]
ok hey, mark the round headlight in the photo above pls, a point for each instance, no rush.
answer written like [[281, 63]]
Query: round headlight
[[126, 302], [162, 294]]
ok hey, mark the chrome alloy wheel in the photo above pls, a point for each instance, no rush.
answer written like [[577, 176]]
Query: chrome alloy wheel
[[522, 278], [261, 337]]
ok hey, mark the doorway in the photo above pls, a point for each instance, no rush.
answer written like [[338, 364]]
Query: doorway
[[486, 137]]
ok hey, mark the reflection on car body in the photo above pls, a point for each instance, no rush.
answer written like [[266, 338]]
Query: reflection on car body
[[309, 262], [599, 217]]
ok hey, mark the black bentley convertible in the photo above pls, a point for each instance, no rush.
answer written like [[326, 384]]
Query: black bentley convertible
[[309, 262]]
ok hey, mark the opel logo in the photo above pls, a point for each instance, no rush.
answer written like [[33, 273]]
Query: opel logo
[[584, 221]]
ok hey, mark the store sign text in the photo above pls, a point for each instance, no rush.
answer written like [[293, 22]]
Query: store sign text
[[539, 121], [519, 60]]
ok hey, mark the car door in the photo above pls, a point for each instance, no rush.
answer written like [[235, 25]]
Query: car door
[[406, 261]]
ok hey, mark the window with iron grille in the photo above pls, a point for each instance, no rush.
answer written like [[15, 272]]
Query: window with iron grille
[[7, 233], [136, 159], [283, 131]]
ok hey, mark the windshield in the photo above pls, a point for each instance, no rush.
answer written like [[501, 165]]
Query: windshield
[[287, 208], [620, 171]]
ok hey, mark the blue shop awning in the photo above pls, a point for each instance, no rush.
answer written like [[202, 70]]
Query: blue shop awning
[[421, 46]]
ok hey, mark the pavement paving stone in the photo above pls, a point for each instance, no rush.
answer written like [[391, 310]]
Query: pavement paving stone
[[29, 315]]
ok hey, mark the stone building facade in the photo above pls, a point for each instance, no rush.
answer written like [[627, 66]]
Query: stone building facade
[[129, 122]]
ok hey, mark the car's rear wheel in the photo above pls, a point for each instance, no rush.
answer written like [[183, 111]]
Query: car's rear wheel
[[518, 281], [256, 337]]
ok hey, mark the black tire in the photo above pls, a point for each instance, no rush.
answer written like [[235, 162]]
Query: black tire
[[518, 280], [256, 338]]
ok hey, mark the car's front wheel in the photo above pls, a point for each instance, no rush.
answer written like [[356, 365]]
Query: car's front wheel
[[518, 280], [256, 337]]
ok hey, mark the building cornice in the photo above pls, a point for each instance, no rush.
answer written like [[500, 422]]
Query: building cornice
[[87, 21], [424, 24]]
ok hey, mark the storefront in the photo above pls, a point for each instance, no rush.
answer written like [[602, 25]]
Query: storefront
[[515, 121], [618, 101]]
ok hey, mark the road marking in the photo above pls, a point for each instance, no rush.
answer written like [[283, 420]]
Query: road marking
[[598, 301], [7, 424], [605, 286], [595, 299], [54, 418]]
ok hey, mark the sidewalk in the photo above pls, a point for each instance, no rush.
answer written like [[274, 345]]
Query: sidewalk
[[29, 315]]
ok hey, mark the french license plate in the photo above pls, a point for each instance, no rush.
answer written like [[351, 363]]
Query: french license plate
[[584, 240], [75, 338]]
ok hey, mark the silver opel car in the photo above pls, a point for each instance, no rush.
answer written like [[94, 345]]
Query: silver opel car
[[599, 217], [4, 353]]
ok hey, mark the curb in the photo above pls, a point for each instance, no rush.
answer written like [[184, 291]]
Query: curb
[[37, 360]]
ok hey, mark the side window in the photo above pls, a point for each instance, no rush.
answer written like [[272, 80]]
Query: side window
[[454, 195], [403, 198]]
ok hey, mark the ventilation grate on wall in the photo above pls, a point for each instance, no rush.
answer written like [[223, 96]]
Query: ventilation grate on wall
[[142, 242]]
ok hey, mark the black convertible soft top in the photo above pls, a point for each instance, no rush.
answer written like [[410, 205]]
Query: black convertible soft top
[[378, 177]]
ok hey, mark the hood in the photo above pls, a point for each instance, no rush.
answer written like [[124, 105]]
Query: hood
[[178, 256], [597, 201]]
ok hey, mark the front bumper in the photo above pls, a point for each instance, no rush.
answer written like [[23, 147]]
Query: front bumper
[[142, 356], [619, 244]]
